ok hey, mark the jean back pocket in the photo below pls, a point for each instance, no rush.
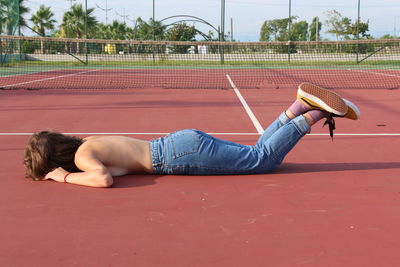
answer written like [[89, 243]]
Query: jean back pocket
[[184, 142]]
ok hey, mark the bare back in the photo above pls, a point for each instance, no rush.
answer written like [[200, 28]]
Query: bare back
[[119, 154]]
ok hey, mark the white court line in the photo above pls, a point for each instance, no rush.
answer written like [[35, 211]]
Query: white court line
[[253, 118], [47, 79], [238, 134], [377, 73]]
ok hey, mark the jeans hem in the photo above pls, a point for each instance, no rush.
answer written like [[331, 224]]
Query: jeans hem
[[301, 125], [283, 118]]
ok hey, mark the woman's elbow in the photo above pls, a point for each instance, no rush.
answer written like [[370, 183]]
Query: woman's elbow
[[108, 181], [105, 179]]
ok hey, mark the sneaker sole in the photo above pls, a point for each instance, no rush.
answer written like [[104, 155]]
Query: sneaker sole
[[318, 98], [353, 113]]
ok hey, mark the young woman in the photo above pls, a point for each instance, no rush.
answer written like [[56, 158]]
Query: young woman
[[93, 161]]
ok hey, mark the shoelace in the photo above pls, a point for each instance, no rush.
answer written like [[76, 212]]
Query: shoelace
[[331, 122]]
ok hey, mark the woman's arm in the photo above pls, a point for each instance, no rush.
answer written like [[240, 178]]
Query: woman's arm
[[94, 178], [94, 173]]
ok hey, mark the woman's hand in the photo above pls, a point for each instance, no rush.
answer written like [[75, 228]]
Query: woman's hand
[[56, 175]]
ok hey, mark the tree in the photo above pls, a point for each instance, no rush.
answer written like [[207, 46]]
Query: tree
[[43, 20], [266, 31], [73, 24], [343, 27], [102, 32], [276, 30], [3, 15], [356, 29], [315, 29], [149, 31], [181, 32], [299, 31], [388, 36], [336, 23], [119, 31], [22, 11], [12, 16]]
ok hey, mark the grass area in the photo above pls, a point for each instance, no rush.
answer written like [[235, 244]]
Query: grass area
[[26, 67]]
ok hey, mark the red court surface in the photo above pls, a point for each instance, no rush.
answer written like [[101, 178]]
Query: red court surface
[[329, 204]]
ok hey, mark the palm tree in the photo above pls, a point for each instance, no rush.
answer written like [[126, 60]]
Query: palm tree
[[8, 16], [12, 15], [102, 31], [22, 11], [73, 24], [119, 31], [151, 30], [43, 20], [3, 16]]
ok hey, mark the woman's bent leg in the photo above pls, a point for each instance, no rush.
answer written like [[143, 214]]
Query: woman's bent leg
[[284, 139], [272, 128]]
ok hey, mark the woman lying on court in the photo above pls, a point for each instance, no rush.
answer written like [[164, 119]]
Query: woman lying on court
[[93, 161]]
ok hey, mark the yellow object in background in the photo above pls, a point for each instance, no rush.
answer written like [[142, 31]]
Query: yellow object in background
[[110, 49]]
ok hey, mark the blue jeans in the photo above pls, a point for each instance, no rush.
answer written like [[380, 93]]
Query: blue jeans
[[193, 152]]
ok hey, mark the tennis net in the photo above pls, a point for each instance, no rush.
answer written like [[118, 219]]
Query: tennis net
[[56, 63]]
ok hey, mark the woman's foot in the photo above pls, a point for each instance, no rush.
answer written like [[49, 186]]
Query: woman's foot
[[314, 97]]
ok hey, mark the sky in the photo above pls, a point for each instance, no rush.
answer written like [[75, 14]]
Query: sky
[[247, 15]]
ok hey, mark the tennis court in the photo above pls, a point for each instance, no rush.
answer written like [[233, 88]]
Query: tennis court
[[331, 203]]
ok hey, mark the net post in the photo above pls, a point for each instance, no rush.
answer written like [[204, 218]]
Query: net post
[[220, 47]]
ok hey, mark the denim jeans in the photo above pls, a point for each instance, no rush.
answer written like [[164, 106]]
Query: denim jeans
[[193, 152]]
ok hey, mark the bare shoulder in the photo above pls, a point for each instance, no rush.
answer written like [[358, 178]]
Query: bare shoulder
[[104, 144], [87, 157], [86, 148], [90, 144]]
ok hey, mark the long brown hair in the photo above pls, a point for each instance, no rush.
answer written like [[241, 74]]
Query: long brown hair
[[48, 150]]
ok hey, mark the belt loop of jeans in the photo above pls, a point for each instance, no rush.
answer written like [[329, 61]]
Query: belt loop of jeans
[[155, 157]]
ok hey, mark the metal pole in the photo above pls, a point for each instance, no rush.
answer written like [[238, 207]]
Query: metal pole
[[290, 28], [106, 13], [222, 20], [106, 10], [222, 34], [154, 30], [358, 29], [154, 19], [231, 29], [395, 26], [86, 14]]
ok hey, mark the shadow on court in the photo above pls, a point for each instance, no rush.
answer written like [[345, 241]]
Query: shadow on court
[[334, 167]]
